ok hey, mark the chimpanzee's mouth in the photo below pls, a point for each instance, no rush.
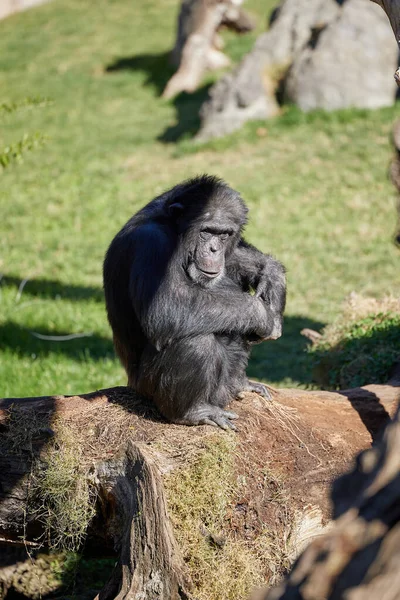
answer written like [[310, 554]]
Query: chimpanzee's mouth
[[210, 274]]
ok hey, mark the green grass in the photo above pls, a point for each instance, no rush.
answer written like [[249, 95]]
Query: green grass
[[316, 186], [361, 346], [365, 354]]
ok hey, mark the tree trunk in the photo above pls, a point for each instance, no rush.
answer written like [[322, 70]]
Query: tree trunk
[[149, 561], [198, 45], [292, 447]]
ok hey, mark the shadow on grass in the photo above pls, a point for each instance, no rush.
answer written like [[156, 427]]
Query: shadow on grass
[[23, 342], [366, 354], [187, 115], [45, 288], [159, 71], [285, 360], [156, 67]]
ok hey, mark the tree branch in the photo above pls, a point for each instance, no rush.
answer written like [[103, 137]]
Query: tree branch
[[392, 9]]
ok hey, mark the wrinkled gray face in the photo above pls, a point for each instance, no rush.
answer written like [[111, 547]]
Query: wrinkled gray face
[[216, 236], [210, 240], [209, 255]]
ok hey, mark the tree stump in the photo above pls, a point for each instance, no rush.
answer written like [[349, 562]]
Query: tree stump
[[268, 483], [198, 46]]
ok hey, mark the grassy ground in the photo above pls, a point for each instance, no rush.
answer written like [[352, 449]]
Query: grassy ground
[[316, 186], [361, 346]]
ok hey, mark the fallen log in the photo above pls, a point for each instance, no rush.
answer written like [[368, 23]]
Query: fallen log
[[189, 512], [359, 557]]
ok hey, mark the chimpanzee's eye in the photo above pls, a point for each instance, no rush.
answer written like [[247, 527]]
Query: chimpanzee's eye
[[223, 236], [205, 235]]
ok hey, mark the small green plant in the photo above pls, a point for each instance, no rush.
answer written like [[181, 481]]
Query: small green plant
[[27, 103], [64, 566], [357, 352], [30, 141], [14, 152]]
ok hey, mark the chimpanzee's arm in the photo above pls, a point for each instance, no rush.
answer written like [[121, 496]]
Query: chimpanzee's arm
[[170, 307], [252, 269]]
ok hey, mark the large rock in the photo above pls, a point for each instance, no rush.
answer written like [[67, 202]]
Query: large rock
[[8, 7], [249, 92], [351, 63], [362, 54]]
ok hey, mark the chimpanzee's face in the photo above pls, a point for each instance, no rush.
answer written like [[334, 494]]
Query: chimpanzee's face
[[209, 255], [214, 238], [209, 229]]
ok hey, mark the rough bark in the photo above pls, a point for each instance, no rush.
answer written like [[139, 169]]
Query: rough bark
[[198, 45], [392, 9], [303, 439], [149, 561]]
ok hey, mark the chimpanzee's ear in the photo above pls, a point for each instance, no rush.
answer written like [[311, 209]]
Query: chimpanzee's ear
[[175, 210]]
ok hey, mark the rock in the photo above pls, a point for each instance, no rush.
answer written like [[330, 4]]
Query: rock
[[350, 63], [325, 54], [249, 92]]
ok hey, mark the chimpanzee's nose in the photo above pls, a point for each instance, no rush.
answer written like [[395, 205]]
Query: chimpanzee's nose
[[213, 247]]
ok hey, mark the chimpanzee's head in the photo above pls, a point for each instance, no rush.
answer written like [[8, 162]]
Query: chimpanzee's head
[[209, 217]]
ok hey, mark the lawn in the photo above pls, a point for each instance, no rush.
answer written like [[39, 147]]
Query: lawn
[[316, 185]]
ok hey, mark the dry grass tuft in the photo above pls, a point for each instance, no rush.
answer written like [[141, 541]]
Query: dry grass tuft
[[198, 499], [64, 498], [286, 417], [355, 308]]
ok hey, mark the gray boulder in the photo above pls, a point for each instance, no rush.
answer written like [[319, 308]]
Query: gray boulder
[[349, 32], [351, 63]]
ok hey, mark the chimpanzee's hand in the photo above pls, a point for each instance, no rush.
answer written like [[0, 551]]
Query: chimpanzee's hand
[[258, 388], [271, 290], [263, 288], [208, 414]]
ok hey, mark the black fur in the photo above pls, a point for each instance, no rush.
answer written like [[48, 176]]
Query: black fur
[[179, 282]]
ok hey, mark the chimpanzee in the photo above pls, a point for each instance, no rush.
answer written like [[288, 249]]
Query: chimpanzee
[[186, 298]]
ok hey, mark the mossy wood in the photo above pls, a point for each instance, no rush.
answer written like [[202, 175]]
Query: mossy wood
[[283, 459]]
